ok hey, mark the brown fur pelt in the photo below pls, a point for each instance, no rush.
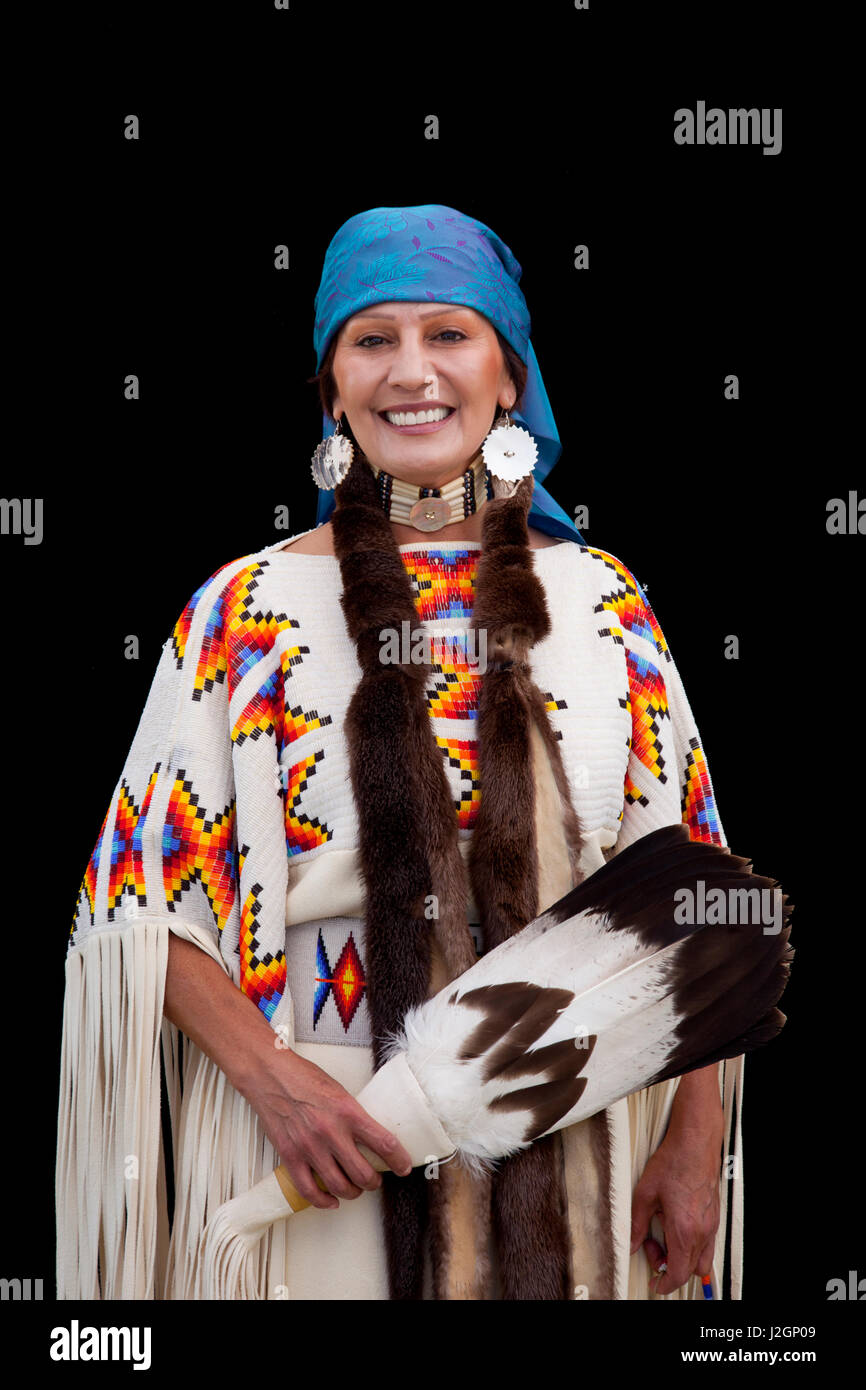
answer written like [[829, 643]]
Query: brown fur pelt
[[409, 850]]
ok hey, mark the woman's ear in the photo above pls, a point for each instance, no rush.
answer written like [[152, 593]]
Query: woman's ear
[[508, 392]]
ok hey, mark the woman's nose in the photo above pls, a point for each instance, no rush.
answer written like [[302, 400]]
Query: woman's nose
[[410, 365]]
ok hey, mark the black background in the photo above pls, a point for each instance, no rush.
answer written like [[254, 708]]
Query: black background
[[260, 128]]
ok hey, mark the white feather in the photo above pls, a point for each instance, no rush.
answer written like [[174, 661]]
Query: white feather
[[622, 996]]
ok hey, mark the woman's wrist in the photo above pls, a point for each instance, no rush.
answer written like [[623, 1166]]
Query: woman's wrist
[[267, 1057]]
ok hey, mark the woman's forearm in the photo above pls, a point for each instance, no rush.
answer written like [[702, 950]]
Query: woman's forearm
[[312, 1121], [697, 1103], [206, 1005]]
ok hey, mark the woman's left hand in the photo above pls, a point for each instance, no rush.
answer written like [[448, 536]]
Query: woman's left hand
[[680, 1185]]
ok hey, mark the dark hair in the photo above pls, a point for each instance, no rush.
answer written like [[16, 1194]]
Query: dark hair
[[327, 385]]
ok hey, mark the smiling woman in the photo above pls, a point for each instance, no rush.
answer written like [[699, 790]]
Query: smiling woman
[[461, 368], [315, 831], [460, 348], [455, 349], [439, 376]]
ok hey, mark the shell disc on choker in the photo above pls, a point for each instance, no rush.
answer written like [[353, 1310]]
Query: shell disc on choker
[[430, 513]]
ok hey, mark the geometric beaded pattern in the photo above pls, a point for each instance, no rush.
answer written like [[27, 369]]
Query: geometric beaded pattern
[[698, 803], [299, 721], [266, 713], [180, 635], [243, 632], [197, 844], [126, 873], [198, 848], [443, 581], [551, 703], [462, 755], [648, 702], [626, 601], [240, 633], [302, 832], [237, 634], [633, 795], [456, 680], [443, 586], [263, 714], [263, 975], [87, 889], [345, 983], [88, 883]]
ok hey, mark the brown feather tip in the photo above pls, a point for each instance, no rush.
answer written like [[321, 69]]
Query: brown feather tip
[[516, 1014]]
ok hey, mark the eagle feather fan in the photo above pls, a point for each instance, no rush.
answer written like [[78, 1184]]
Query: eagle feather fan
[[620, 995]]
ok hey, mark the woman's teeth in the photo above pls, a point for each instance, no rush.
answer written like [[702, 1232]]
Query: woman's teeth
[[419, 417]]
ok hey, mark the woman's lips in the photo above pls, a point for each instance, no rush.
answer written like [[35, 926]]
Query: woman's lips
[[419, 429]]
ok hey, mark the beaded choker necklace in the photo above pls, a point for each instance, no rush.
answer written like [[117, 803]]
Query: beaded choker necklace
[[431, 508]]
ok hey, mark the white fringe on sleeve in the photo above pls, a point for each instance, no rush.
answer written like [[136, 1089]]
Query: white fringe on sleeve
[[110, 1180], [109, 1173]]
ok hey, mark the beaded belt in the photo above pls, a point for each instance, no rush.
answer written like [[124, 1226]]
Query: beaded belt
[[326, 975]]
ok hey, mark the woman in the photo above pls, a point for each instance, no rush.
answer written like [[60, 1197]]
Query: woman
[[285, 917]]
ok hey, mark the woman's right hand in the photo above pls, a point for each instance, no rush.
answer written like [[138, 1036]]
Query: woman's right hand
[[310, 1119], [313, 1123]]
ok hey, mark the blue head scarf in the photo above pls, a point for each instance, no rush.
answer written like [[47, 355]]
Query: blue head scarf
[[435, 253]]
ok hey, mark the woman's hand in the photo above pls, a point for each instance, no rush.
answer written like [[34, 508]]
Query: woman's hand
[[310, 1119], [313, 1123], [680, 1185]]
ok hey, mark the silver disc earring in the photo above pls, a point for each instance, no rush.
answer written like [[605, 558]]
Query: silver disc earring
[[509, 454], [332, 459]]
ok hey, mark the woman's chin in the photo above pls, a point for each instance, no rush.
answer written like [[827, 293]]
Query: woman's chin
[[400, 462]]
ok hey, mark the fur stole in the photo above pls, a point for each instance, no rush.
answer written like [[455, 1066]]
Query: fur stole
[[409, 851]]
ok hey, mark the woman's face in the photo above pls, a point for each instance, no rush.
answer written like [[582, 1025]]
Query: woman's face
[[396, 356]]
